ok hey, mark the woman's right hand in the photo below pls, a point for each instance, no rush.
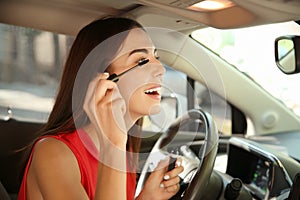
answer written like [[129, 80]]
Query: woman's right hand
[[106, 108]]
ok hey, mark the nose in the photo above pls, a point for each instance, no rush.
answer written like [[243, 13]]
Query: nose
[[159, 69]]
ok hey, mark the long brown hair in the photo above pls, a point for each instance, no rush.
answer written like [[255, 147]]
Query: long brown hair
[[67, 113]]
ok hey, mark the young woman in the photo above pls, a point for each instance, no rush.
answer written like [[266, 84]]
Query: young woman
[[88, 148]]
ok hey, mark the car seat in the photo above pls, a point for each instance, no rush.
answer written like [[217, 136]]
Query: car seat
[[3, 193]]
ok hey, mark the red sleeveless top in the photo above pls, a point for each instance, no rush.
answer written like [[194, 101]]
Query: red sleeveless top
[[87, 162]]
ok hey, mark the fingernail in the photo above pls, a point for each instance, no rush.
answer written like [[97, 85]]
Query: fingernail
[[166, 177], [161, 185], [178, 163], [106, 73]]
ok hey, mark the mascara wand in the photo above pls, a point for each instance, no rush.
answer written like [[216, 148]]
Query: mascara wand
[[115, 77]]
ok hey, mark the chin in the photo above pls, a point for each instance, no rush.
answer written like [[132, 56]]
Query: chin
[[155, 109]]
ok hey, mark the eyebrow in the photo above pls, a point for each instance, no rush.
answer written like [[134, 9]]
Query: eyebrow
[[138, 51]]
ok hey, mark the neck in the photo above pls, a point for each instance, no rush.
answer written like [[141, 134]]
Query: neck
[[130, 120]]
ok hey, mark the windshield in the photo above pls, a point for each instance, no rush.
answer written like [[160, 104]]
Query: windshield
[[251, 50]]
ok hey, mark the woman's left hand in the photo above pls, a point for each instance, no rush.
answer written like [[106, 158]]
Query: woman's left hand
[[162, 184]]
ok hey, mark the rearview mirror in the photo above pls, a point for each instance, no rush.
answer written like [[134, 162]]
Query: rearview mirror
[[287, 54]]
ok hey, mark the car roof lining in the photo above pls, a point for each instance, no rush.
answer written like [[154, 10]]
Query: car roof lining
[[58, 15]]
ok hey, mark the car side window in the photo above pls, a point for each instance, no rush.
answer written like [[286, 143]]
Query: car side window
[[217, 106], [30, 67]]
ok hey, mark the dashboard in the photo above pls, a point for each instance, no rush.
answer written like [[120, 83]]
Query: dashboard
[[263, 164], [261, 171]]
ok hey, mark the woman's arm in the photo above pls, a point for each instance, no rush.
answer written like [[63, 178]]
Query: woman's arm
[[106, 108], [111, 182]]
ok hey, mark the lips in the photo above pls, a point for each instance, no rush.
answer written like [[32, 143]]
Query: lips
[[153, 92]]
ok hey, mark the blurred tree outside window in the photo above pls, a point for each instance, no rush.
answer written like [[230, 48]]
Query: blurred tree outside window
[[31, 63]]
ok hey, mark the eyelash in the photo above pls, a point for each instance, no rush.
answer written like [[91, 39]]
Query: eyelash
[[143, 58]]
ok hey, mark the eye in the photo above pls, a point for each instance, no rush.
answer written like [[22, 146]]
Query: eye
[[156, 55]]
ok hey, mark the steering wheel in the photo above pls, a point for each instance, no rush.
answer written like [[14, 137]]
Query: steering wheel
[[194, 176]]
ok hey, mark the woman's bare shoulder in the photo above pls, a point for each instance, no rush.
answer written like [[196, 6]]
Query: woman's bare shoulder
[[50, 152], [49, 146], [54, 171]]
